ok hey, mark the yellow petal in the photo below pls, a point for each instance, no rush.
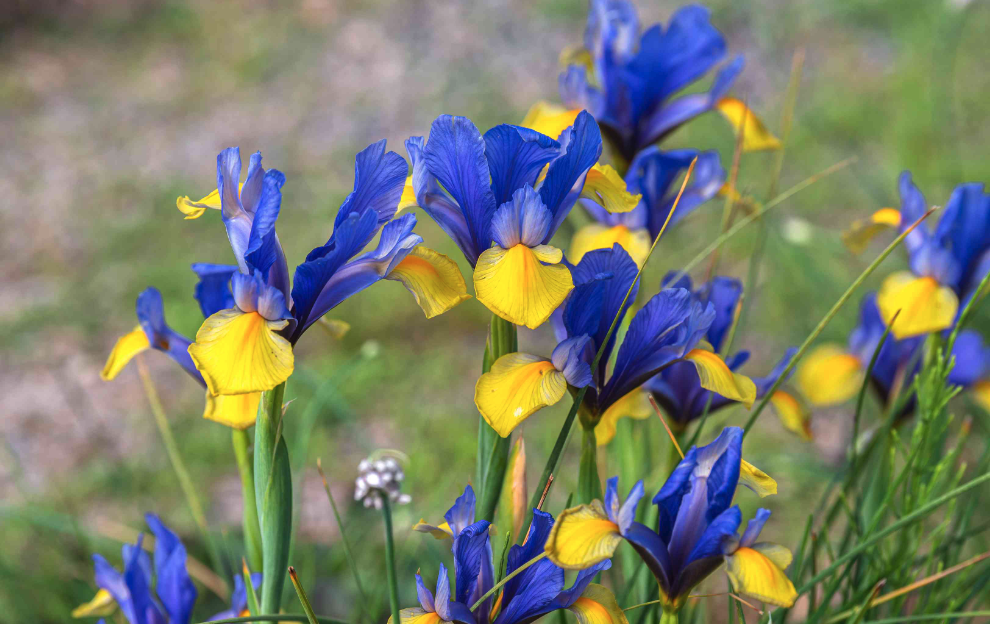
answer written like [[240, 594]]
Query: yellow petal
[[829, 376], [101, 605], [793, 414], [862, 231], [549, 119], [416, 615], [126, 347], [433, 279], [195, 209], [518, 385], [600, 236], [439, 532], [240, 353], [776, 553], [604, 186], [925, 305], [753, 574], [981, 394], [408, 198], [582, 536], [597, 605], [234, 410], [717, 377], [756, 480], [636, 404], [515, 284], [756, 136]]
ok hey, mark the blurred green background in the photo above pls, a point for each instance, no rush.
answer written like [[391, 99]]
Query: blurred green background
[[109, 109]]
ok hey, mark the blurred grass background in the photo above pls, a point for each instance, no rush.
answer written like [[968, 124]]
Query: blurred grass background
[[112, 108]]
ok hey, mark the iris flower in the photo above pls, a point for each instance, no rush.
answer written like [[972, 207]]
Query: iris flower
[[487, 193], [947, 262], [536, 591], [832, 374], [696, 530], [651, 175], [247, 347], [169, 601], [239, 598], [214, 295], [628, 80], [677, 389], [670, 328]]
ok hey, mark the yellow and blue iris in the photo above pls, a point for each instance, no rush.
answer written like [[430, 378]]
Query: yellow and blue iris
[[669, 328], [651, 176], [947, 262], [696, 530], [536, 591], [490, 194]]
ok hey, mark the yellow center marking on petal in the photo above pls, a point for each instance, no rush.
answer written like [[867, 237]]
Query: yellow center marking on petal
[[925, 305], [599, 236], [829, 376], [515, 284]]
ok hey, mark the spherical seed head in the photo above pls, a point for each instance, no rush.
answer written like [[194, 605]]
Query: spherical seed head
[[379, 478]]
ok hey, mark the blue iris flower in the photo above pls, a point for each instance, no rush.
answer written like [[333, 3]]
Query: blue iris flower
[[630, 81], [239, 598], [170, 600]]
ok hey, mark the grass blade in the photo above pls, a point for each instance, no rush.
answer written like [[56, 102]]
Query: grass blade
[[308, 608]]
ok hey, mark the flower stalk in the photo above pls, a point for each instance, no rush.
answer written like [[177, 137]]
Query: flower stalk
[[493, 450], [273, 494], [252, 530]]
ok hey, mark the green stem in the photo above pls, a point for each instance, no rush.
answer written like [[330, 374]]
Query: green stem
[[493, 450], [303, 599], [281, 617], [508, 578], [589, 485], [348, 553], [273, 496], [252, 530], [393, 583], [668, 617]]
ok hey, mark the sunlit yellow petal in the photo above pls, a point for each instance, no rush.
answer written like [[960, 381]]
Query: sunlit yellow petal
[[636, 404], [515, 284], [604, 186], [717, 377], [433, 279], [756, 136], [240, 353], [195, 209], [755, 575], [126, 347], [518, 385], [793, 414], [439, 532], [234, 410], [408, 198], [597, 605], [756, 480], [549, 119], [600, 236], [101, 605], [776, 553], [829, 376], [981, 394], [582, 536], [416, 615], [925, 305], [862, 231]]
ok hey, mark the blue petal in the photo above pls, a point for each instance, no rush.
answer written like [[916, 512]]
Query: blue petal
[[753, 528], [577, 92], [228, 178], [612, 499], [264, 252], [581, 146], [474, 573], [424, 595], [524, 219], [138, 583], [455, 154], [151, 315], [432, 199], [378, 180], [668, 499], [964, 229], [652, 549], [971, 359], [107, 577], [252, 294], [213, 289], [723, 293], [569, 596], [719, 462], [515, 158], [652, 174], [707, 554], [573, 358], [535, 588], [461, 513], [251, 191], [913, 207], [763, 384], [174, 587], [442, 602], [627, 513]]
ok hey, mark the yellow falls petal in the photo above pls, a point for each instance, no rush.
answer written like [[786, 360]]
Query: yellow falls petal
[[408, 198], [516, 285], [234, 410], [549, 119], [926, 306], [597, 605], [240, 353], [124, 350], [439, 532], [776, 553], [517, 386], [604, 186], [433, 279], [792, 413], [829, 376], [582, 536], [753, 574], [636, 405], [716, 376], [101, 605], [756, 480], [417, 615], [195, 209], [600, 236], [862, 231], [756, 136]]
